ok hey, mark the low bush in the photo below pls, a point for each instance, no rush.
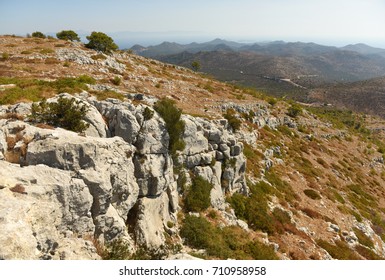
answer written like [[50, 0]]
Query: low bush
[[363, 239], [312, 194], [294, 111], [116, 81], [148, 114], [198, 196], [171, 114], [65, 113], [223, 243], [339, 250], [232, 119]]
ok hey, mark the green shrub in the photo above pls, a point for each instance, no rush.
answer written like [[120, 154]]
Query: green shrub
[[294, 111], [363, 239], [233, 121], [65, 113], [339, 250], [68, 35], [312, 194], [223, 243], [5, 56], [148, 114], [198, 232], [175, 126], [38, 34], [116, 250], [116, 80], [99, 41], [367, 253], [198, 196]]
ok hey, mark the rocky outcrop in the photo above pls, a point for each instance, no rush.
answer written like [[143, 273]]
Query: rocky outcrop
[[115, 181]]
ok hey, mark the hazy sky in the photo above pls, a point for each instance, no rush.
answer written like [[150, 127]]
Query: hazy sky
[[322, 21]]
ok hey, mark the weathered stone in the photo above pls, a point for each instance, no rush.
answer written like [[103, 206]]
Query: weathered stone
[[33, 223], [193, 137]]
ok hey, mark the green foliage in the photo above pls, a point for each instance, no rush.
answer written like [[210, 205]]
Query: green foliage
[[148, 114], [198, 196], [35, 90], [225, 243], [175, 126], [65, 113], [294, 111], [339, 250], [38, 34], [116, 250], [4, 56], [116, 80], [312, 194], [196, 66], [363, 239], [68, 35], [99, 41], [198, 232], [367, 253], [233, 121]]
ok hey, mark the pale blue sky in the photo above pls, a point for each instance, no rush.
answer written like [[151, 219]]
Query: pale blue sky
[[335, 22]]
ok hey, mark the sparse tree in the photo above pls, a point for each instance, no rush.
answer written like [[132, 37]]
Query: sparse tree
[[38, 34], [68, 35], [101, 42], [196, 66]]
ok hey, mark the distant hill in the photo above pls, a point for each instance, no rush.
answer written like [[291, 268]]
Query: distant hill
[[365, 49], [308, 64]]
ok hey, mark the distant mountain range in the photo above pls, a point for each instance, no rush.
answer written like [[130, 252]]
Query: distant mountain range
[[307, 64]]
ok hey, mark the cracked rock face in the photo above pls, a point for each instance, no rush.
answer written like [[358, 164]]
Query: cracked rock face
[[60, 192]]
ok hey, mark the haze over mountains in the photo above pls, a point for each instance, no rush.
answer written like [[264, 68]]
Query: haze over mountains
[[307, 72], [276, 59]]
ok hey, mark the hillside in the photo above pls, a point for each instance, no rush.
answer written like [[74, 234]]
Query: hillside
[[364, 96], [238, 175]]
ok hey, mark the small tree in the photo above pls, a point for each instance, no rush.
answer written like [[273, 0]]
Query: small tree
[[196, 66], [68, 35], [101, 42], [38, 34], [66, 113]]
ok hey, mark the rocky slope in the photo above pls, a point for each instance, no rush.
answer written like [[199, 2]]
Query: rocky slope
[[289, 183]]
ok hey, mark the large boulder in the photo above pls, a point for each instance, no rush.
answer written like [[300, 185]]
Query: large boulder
[[44, 212]]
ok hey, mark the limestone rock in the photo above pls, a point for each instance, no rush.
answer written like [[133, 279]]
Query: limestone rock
[[35, 217]]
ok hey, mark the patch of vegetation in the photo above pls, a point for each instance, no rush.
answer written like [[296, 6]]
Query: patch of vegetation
[[148, 114], [232, 119], [253, 158], [104, 94], [65, 113], [46, 51], [228, 242], [339, 250], [4, 56], [363, 239], [35, 90], [98, 56], [171, 114], [294, 110], [312, 194], [367, 253], [116, 81], [198, 195], [341, 119]]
